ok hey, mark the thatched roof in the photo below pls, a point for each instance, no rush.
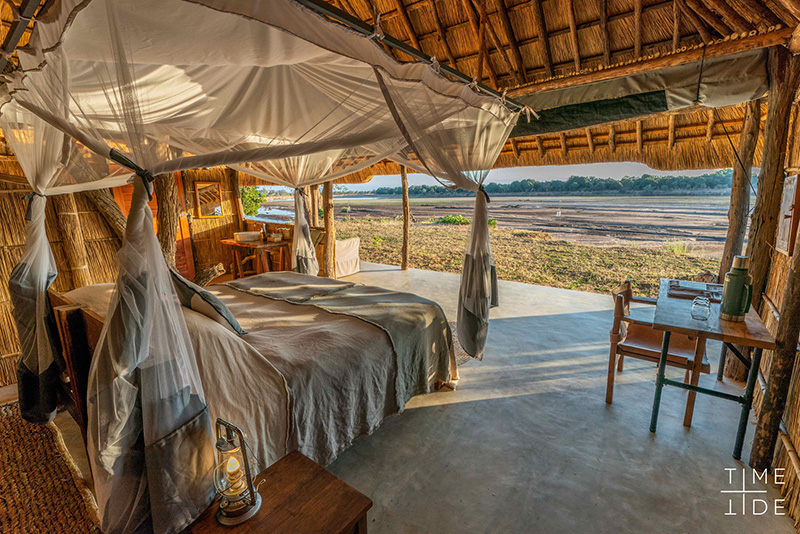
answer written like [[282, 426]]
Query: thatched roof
[[529, 46], [535, 45]]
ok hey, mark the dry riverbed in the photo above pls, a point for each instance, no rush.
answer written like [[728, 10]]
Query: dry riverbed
[[527, 256]]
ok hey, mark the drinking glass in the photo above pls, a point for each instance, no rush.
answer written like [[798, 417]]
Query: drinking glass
[[701, 308]]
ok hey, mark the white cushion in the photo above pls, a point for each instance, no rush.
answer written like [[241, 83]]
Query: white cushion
[[347, 260]]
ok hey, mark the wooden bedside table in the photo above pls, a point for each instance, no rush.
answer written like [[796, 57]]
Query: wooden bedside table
[[297, 496]]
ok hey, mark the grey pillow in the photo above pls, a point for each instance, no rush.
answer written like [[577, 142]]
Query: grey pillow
[[198, 299]]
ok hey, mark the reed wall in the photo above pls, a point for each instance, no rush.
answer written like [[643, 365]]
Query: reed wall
[[101, 244], [771, 313]]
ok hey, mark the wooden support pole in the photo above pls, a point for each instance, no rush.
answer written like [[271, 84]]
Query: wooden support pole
[[406, 220], [314, 194], [237, 194], [563, 138], [103, 201], [69, 225], [514, 147], [590, 140], [305, 192], [780, 371], [167, 215], [541, 30], [740, 189], [540, 144], [784, 78], [573, 34], [739, 210], [329, 257]]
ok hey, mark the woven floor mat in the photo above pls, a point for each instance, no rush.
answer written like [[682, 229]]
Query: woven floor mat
[[41, 489]]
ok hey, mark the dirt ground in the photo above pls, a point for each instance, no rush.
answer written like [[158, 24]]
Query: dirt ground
[[699, 222]]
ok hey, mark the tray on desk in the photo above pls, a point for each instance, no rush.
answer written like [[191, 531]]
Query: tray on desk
[[686, 289]]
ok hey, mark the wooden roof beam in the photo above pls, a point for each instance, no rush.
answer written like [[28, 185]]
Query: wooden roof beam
[[788, 10], [612, 138], [442, 33], [508, 28], [699, 7], [671, 132], [639, 136], [710, 125], [573, 34], [412, 35], [477, 29], [662, 4], [731, 17], [676, 25], [637, 28], [541, 31], [698, 24], [481, 7], [604, 31], [758, 14], [723, 48]]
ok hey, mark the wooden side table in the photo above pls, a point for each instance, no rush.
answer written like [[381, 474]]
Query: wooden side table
[[297, 496], [282, 248]]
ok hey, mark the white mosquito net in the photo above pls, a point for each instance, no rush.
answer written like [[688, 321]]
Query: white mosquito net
[[269, 88], [459, 150]]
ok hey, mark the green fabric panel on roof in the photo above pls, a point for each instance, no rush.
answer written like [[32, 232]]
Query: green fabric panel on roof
[[591, 113]]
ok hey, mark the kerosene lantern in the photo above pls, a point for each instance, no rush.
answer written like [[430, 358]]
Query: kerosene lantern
[[233, 476]]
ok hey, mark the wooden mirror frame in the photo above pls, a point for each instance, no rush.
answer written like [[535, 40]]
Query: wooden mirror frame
[[200, 185]]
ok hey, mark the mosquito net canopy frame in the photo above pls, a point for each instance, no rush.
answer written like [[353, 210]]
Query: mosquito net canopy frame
[[268, 88]]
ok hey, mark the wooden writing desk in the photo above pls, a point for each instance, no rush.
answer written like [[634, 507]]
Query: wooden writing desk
[[674, 315], [298, 496], [282, 248]]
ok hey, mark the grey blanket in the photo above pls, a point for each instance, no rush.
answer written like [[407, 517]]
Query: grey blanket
[[417, 327], [289, 286]]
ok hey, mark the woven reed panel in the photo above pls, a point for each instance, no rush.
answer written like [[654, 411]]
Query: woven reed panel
[[207, 232]]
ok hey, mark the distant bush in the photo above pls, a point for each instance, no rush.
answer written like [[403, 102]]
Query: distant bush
[[533, 234], [452, 219], [345, 209], [492, 222], [377, 241], [676, 246]]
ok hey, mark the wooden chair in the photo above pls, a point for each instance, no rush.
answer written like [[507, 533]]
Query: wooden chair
[[632, 335]]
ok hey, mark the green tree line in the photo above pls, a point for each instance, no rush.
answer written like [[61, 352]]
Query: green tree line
[[582, 184]]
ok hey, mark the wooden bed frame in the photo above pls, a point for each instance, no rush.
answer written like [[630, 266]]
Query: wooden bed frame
[[78, 332]]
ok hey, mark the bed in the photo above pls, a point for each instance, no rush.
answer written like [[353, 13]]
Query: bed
[[322, 363]]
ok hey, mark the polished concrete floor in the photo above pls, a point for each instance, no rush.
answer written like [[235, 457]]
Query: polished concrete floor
[[527, 443]]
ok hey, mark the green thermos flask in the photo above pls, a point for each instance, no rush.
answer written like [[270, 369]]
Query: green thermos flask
[[737, 292]]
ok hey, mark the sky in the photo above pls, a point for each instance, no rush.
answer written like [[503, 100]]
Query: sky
[[542, 174]]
